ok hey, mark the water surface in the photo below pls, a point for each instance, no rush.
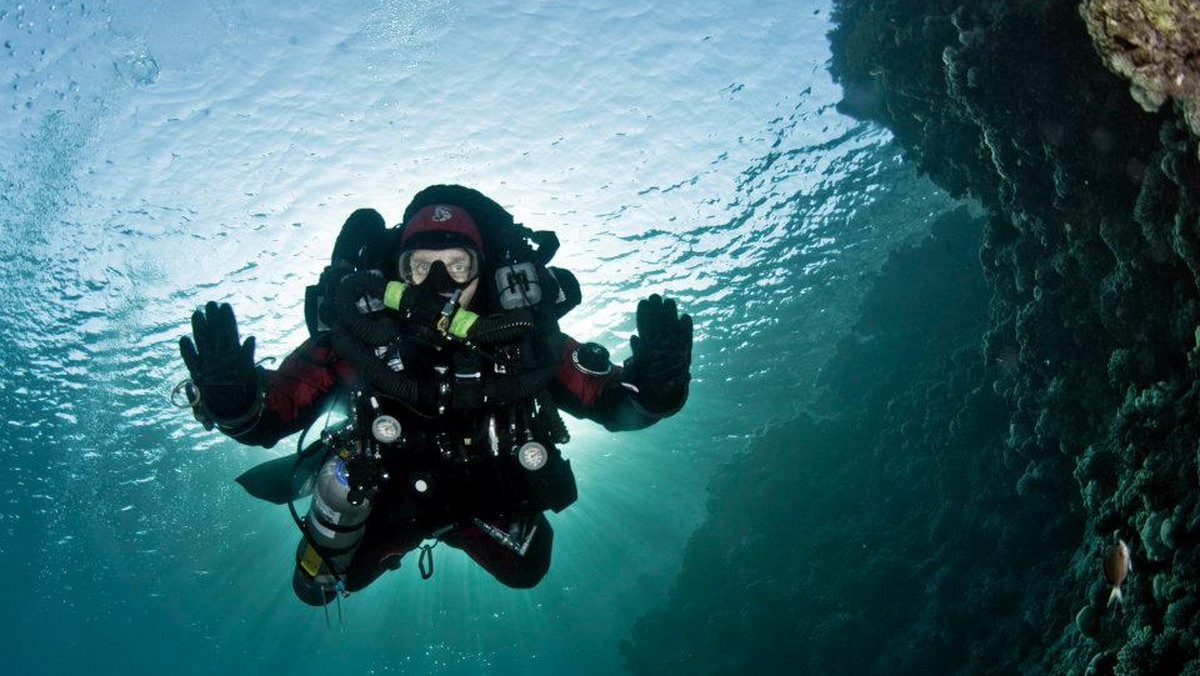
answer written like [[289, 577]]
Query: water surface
[[156, 155]]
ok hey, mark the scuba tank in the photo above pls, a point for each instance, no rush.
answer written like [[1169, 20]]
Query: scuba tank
[[334, 526]]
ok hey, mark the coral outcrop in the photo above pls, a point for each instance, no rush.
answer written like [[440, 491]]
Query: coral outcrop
[[1155, 44], [1092, 251]]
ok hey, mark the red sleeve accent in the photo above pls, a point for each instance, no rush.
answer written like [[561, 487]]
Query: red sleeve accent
[[585, 386], [303, 379]]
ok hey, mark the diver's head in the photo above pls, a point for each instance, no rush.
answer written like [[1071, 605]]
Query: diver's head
[[440, 251]]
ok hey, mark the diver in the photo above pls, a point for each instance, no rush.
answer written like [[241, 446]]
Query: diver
[[439, 340]]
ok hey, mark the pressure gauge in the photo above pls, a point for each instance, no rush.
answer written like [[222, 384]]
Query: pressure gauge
[[386, 429], [532, 456]]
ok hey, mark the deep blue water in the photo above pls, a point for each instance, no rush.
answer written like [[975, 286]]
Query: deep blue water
[[155, 155]]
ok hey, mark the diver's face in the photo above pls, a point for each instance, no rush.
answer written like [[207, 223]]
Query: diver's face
[[461, 264]]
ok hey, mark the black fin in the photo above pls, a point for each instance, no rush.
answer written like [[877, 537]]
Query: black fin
[[273, 480]]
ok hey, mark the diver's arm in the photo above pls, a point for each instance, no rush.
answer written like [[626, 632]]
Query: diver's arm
[[253, 405], [292, 396], [587, 385], [652, 384]]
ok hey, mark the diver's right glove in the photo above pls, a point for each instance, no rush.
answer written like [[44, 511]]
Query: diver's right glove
[[222, 369], [451, 320], [662, 355]]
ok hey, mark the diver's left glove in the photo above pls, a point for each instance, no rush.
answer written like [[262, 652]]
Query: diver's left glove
[[222, 368], [662, 356]]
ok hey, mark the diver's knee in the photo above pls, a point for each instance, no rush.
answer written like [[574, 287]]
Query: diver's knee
[[525, 579], [535, 563]]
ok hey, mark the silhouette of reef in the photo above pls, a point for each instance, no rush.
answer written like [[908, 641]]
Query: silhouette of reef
[[1016, 395]]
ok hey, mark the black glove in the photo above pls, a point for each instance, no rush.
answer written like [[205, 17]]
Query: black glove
[[422, 304], [222, 369], [356, 248], [427, 310], [662, 354], [423, 308]]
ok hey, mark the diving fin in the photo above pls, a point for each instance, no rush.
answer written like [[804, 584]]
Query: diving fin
[[280, 481]]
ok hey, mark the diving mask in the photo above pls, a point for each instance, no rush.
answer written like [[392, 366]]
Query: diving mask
[[454, 267]]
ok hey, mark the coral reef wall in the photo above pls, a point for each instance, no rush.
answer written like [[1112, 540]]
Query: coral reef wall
[[1092, 250], [984, 464]]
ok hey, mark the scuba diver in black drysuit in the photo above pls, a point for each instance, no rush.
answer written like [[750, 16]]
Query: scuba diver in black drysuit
[[440, 337]]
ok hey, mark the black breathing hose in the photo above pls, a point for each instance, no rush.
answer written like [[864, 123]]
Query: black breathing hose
[[381, 376], [352, 288], [502, 328]]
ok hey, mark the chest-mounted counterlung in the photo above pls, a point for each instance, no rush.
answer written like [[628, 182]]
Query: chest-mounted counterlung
[[526, 281]]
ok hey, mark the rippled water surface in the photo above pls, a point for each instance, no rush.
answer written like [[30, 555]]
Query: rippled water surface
[[158, 154]]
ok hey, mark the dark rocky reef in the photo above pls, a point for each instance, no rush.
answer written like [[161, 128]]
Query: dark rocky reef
[[992, 470]]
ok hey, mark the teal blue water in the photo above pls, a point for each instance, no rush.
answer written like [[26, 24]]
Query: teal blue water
[[159, 154]]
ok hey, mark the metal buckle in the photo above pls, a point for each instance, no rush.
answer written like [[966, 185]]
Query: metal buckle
[[448, 310]]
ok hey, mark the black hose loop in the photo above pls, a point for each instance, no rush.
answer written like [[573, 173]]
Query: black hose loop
[[352, 288], [495, 330], [381, 376], [501, 328], [518, 388]]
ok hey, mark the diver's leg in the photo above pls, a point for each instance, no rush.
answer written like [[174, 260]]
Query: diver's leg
[[507, 566], [380, 554]]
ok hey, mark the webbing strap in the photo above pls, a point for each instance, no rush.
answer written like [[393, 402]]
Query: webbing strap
[[425, 561]]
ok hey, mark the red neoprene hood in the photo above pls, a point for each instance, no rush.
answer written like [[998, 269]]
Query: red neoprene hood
[[440, 226]]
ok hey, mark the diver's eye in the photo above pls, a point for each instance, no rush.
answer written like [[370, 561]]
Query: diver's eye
[[459, 268], [420, 268]]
